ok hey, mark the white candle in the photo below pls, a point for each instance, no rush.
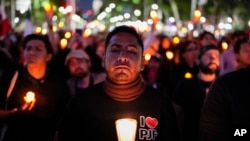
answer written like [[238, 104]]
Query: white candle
[[126, 129]]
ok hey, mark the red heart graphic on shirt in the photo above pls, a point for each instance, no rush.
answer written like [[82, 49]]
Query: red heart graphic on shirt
[[151, 122]]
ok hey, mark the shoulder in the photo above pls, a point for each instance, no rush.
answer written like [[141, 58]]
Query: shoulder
[[96, 87], [179, 66], [93, 90], [91, 95], [151, 90], [235, 76], [236, 83], [98, 77], [53, 76], [154, 94], [9, 73], [187, 82]]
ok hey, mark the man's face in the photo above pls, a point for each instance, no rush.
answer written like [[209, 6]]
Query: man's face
[[191, 53], [210, 61], [78, 67], [243, 57], [35, 53], [123, 59]]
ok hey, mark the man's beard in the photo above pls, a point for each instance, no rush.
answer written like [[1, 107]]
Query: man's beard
[[79, 73], [207, 70]]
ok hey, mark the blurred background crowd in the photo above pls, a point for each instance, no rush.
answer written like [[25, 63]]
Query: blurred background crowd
[[173, 33]]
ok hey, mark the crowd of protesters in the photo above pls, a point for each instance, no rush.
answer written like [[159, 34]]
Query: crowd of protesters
[[79, 66]]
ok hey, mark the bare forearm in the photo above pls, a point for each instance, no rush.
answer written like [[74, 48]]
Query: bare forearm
[[4, 114]]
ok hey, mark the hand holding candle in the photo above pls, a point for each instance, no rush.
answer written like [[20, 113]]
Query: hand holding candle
[[29, 99]]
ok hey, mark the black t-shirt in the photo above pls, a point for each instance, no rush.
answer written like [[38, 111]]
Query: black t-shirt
[[190, 95], [179, 72], [93, 115], [39, 124], [226, 108]]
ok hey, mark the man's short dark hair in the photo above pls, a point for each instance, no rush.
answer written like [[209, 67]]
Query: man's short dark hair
[[124, 28], [239, 33], [204, 33], [204, 49], [43, 38], [238, 44]]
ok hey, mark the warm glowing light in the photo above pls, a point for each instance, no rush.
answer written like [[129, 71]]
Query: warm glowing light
[[38, 30], [102, 27], [224, 45], [217, 32], [154, 16], [176, 40], [29, 97], [188, 75], [67, 35], [54, 28], [126, 129], [169, 55], [87, 32], [47, 7], [184, 30], [197, 13], [44, 31], [61, 24], [63, 43], [147, 57]]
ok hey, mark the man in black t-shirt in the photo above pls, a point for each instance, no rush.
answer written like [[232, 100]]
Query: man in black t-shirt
[[32, 117], [123, 94], [189, 95], [225, 114]]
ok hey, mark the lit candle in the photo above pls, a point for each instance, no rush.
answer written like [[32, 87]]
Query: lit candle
[[154, 16], [126, 129], [29, 97], [63, 43]]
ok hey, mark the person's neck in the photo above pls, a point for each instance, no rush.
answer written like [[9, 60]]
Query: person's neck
[[206, 77], [37, 72], [84, 81], [125, 92]]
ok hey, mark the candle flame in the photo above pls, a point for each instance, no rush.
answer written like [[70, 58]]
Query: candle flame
[[30, 96], [188, 75]]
